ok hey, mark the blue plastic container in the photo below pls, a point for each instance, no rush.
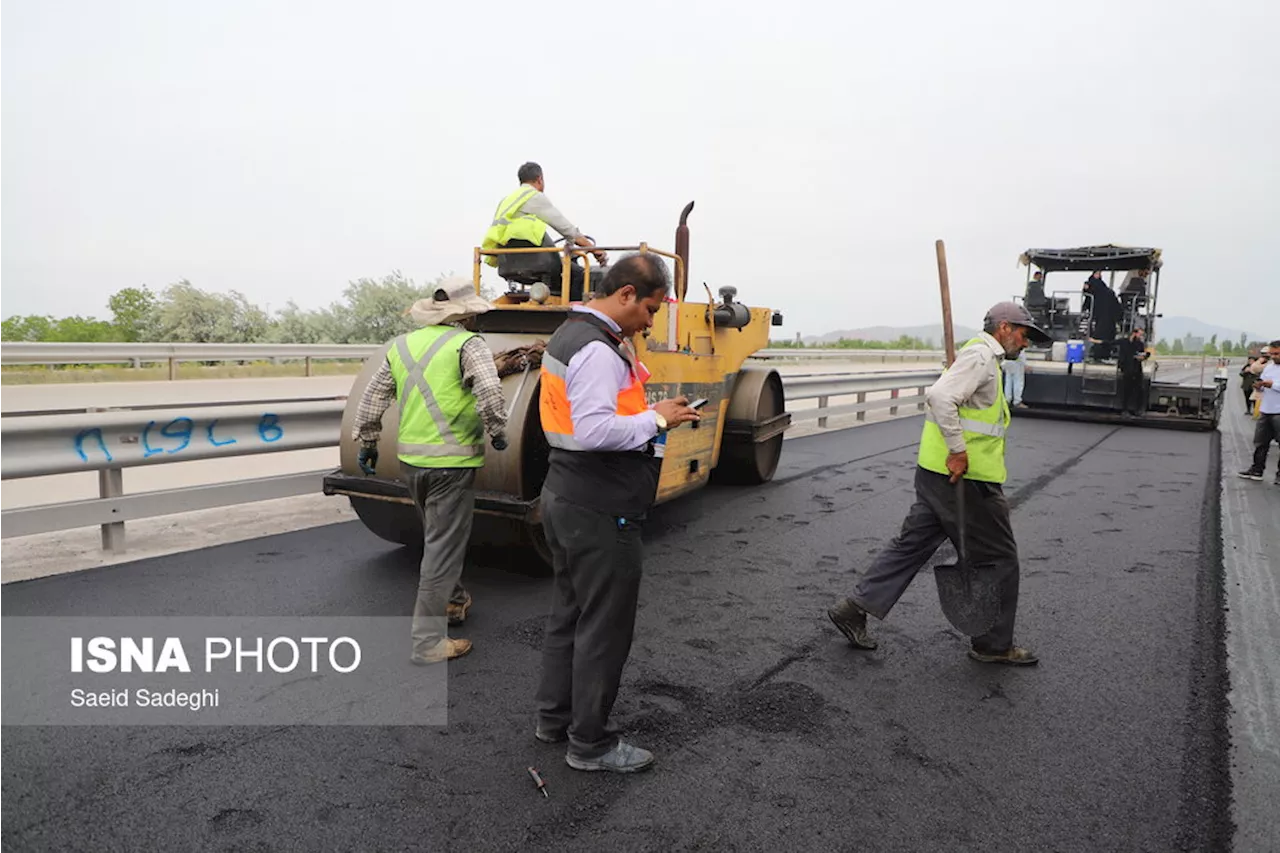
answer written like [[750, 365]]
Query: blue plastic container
[[1075, 352]]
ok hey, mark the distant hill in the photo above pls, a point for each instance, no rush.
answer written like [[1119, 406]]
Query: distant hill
[[1174, 328], [892, 333]]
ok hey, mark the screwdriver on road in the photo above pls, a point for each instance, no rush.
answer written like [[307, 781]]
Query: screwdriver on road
[[542, 786]]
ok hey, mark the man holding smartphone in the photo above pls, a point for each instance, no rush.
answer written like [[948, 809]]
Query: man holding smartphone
[[606, 454], [1268, 428]]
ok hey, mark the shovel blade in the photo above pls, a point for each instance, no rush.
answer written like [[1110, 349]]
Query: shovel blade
[[970, 601]]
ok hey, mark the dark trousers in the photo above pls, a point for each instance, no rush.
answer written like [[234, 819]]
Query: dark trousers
[[1131, 391], [1267, 431], [933, 519], [1248, 403], [548, 267], [597, 566]]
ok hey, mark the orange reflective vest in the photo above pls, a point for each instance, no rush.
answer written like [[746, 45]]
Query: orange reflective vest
[[621, 483]]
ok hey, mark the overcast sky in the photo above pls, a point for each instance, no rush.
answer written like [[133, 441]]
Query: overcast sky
[[283, 149]]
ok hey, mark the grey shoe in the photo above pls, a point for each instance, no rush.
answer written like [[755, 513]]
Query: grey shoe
[[1252, 474], [852, 622], [623, 758]]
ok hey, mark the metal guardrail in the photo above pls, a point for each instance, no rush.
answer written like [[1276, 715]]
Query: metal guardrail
[[57, 353], [107, 441]]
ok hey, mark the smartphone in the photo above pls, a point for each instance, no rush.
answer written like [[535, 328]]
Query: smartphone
[[698, 403]]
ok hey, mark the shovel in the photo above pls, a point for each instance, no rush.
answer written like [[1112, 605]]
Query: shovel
[[970, 599]]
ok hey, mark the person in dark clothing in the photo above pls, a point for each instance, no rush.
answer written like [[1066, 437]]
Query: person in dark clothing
[[1104, 316], [1131, 352], [607, 446], [1034, 297], [1247, 380]]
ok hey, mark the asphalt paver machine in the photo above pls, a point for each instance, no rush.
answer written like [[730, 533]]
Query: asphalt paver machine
[[1072, 378], [698, 349]]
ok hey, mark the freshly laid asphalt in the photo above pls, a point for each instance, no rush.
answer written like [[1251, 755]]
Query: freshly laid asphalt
[[770, 731]]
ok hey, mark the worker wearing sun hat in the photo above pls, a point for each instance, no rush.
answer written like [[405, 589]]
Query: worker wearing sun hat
[[450, 397]]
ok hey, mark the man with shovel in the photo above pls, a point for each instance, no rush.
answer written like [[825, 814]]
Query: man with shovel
[[960, 469]]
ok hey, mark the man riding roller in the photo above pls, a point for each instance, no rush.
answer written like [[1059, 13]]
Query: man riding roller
[[963, 437], [520, 222]]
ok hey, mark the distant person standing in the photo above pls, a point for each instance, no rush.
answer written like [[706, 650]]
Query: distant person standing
[[1015, 378], [1268, 428], [1131, 352], [1248, 376], [1104, 314]]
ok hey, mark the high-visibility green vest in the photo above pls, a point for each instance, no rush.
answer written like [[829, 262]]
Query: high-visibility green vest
[[984, 431], [439, 426], [510, 222]]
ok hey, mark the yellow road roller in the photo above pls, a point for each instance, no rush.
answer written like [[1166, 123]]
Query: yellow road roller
[[698, 349]]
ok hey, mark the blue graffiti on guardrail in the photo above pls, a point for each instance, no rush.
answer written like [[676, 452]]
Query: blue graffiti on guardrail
[[180, 430]]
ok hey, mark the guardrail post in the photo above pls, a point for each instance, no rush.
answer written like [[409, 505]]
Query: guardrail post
[[308, 367], [822, 404], [111, 485], [920, 391], [893, 395], [862, 398], [173, 368]]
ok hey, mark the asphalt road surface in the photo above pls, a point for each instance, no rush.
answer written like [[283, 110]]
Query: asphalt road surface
[[770, 732]]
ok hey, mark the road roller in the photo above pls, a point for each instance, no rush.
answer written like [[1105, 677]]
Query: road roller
[[698, 349]]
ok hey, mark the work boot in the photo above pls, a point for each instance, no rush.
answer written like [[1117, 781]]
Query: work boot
[[447, 649], [623, 758], [852, 622], [1252, 474], [457, 611], [1014, 656]]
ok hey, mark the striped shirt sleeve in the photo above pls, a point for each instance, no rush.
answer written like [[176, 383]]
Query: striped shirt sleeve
[[378, 396]]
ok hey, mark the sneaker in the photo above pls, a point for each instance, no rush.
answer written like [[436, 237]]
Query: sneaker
[[458, 612], [551, 735], [852, 622], [1015, 656], [623, 758], [447, 649], [1251, 474]]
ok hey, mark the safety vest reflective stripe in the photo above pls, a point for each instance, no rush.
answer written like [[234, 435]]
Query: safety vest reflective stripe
[[502, 217], [970, 425], [440, 449], [556, 411], [417, 378], [555, 366]]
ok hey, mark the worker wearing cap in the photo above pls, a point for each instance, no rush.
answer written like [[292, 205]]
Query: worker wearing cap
[[963, 438], [606, 454], [450, 398]]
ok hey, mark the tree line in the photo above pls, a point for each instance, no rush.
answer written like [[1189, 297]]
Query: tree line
[[371, 311], [903, 342]]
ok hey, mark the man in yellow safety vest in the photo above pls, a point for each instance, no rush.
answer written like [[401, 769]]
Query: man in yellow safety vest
[[450, 397], [963, 438], [520, 222]]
